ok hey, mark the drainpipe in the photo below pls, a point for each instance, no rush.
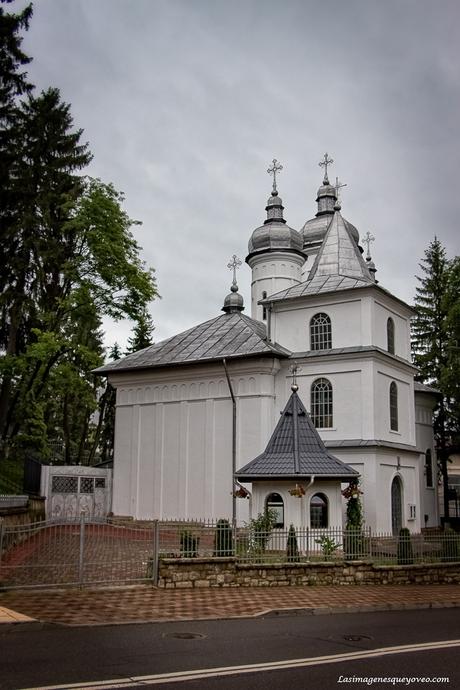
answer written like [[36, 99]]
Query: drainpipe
[[269, 322], [233, 443], [304, 498]]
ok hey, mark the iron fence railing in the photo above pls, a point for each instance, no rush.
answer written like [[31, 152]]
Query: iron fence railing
[[88, 551]]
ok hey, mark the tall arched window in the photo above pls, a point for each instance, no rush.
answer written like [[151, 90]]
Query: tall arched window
[[321, 403], [264, 308], [396, 505], [319, 511], [428, 468], [276, 503], [391, 336], [393, 406], [320, 332]]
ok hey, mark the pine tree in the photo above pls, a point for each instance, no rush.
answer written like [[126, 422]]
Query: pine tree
[[433, 343], [141, 334]]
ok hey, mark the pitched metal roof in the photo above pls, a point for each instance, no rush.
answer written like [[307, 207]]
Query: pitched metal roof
[[338, 265], [423, 388], [295, 450], [229, 335]]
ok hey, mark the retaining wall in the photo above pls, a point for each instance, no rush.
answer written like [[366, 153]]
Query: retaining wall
[[186, 573]]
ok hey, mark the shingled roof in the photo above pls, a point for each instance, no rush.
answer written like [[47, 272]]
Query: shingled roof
[[338, 265], [230, 335], [295, 450]]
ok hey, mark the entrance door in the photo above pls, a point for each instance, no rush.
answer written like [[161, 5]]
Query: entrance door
[[396, 505]]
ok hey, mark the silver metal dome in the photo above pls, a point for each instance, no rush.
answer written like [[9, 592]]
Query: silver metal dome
[[234, 301]]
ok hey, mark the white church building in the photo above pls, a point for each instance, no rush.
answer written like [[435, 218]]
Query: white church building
[[198, 415]]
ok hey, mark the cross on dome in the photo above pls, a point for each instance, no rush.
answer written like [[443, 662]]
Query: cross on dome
[[294, 369], [338, 187], [272, 170], [323, 164], [367, 239], [233, 265]]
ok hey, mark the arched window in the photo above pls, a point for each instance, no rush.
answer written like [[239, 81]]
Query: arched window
[[319, 511], [276, 503], [428, 468], [393, 406], [320, 332], [264, 308], [321, 403], [391, 336], [396, 505]]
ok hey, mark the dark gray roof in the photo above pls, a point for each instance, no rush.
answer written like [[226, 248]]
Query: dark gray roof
[[229, 335], [295, 450], [356, 443], [423, 388]]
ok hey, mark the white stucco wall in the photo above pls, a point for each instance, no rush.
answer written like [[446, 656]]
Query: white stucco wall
[[173, 437], [424, 405], [272, 272]]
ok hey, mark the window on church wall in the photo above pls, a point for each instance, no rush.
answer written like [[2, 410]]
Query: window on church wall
[[275, 502], [393, 406], [321, 403], [319, 511], [320, 332], [428, 469], [391, 336], [264, 308]]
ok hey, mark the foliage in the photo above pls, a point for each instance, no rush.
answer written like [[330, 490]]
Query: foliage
[[188, 544], [450, 546], [405, 553], [141, 334], [328, 546], [68, 259], [435, 344], [223, 539], [353, 543], [260, 529], [292, 549]]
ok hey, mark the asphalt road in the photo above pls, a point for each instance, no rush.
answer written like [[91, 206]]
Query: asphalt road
[[37, 656]]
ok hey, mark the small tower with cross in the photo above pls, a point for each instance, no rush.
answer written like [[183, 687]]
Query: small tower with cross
[[275, 252]]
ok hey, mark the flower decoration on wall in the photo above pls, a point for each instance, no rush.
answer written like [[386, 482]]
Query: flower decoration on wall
[[298, 491], [241, 492]]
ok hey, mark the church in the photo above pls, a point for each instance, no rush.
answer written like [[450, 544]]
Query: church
[[286, 407]]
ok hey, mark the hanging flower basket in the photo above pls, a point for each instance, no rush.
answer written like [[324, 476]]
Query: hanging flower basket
[[241, 492], [351, 491], [298, 491]]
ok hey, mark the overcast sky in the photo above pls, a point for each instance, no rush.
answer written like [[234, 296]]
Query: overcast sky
[[185, 102]]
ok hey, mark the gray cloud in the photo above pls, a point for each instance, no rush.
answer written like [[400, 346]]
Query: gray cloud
[[185, 102]]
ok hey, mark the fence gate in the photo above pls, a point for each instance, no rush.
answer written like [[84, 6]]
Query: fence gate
[[72, 490], [76, 552]]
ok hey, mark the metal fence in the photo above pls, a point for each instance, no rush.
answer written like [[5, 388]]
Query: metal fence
[[75, 552], [92, 551], [306, 545]]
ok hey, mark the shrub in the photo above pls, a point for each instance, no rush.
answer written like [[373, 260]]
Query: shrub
[[405, 553], [188, 544], [328, 546], [292, 549], [223, 539], [260, 529], [450, 551]]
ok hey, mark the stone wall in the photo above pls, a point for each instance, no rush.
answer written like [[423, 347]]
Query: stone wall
[[34, 511], [185, 573]]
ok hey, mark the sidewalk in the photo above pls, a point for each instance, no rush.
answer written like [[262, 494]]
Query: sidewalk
[[141, 604]]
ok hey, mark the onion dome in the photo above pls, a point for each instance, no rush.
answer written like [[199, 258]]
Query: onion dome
[[274, 234], [314, 230], [234, 301]]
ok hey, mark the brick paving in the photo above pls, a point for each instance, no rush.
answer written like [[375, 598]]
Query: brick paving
[[144, 603]]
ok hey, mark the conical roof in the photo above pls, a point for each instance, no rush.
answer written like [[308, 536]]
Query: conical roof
[[295, 450], [338, 265]]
